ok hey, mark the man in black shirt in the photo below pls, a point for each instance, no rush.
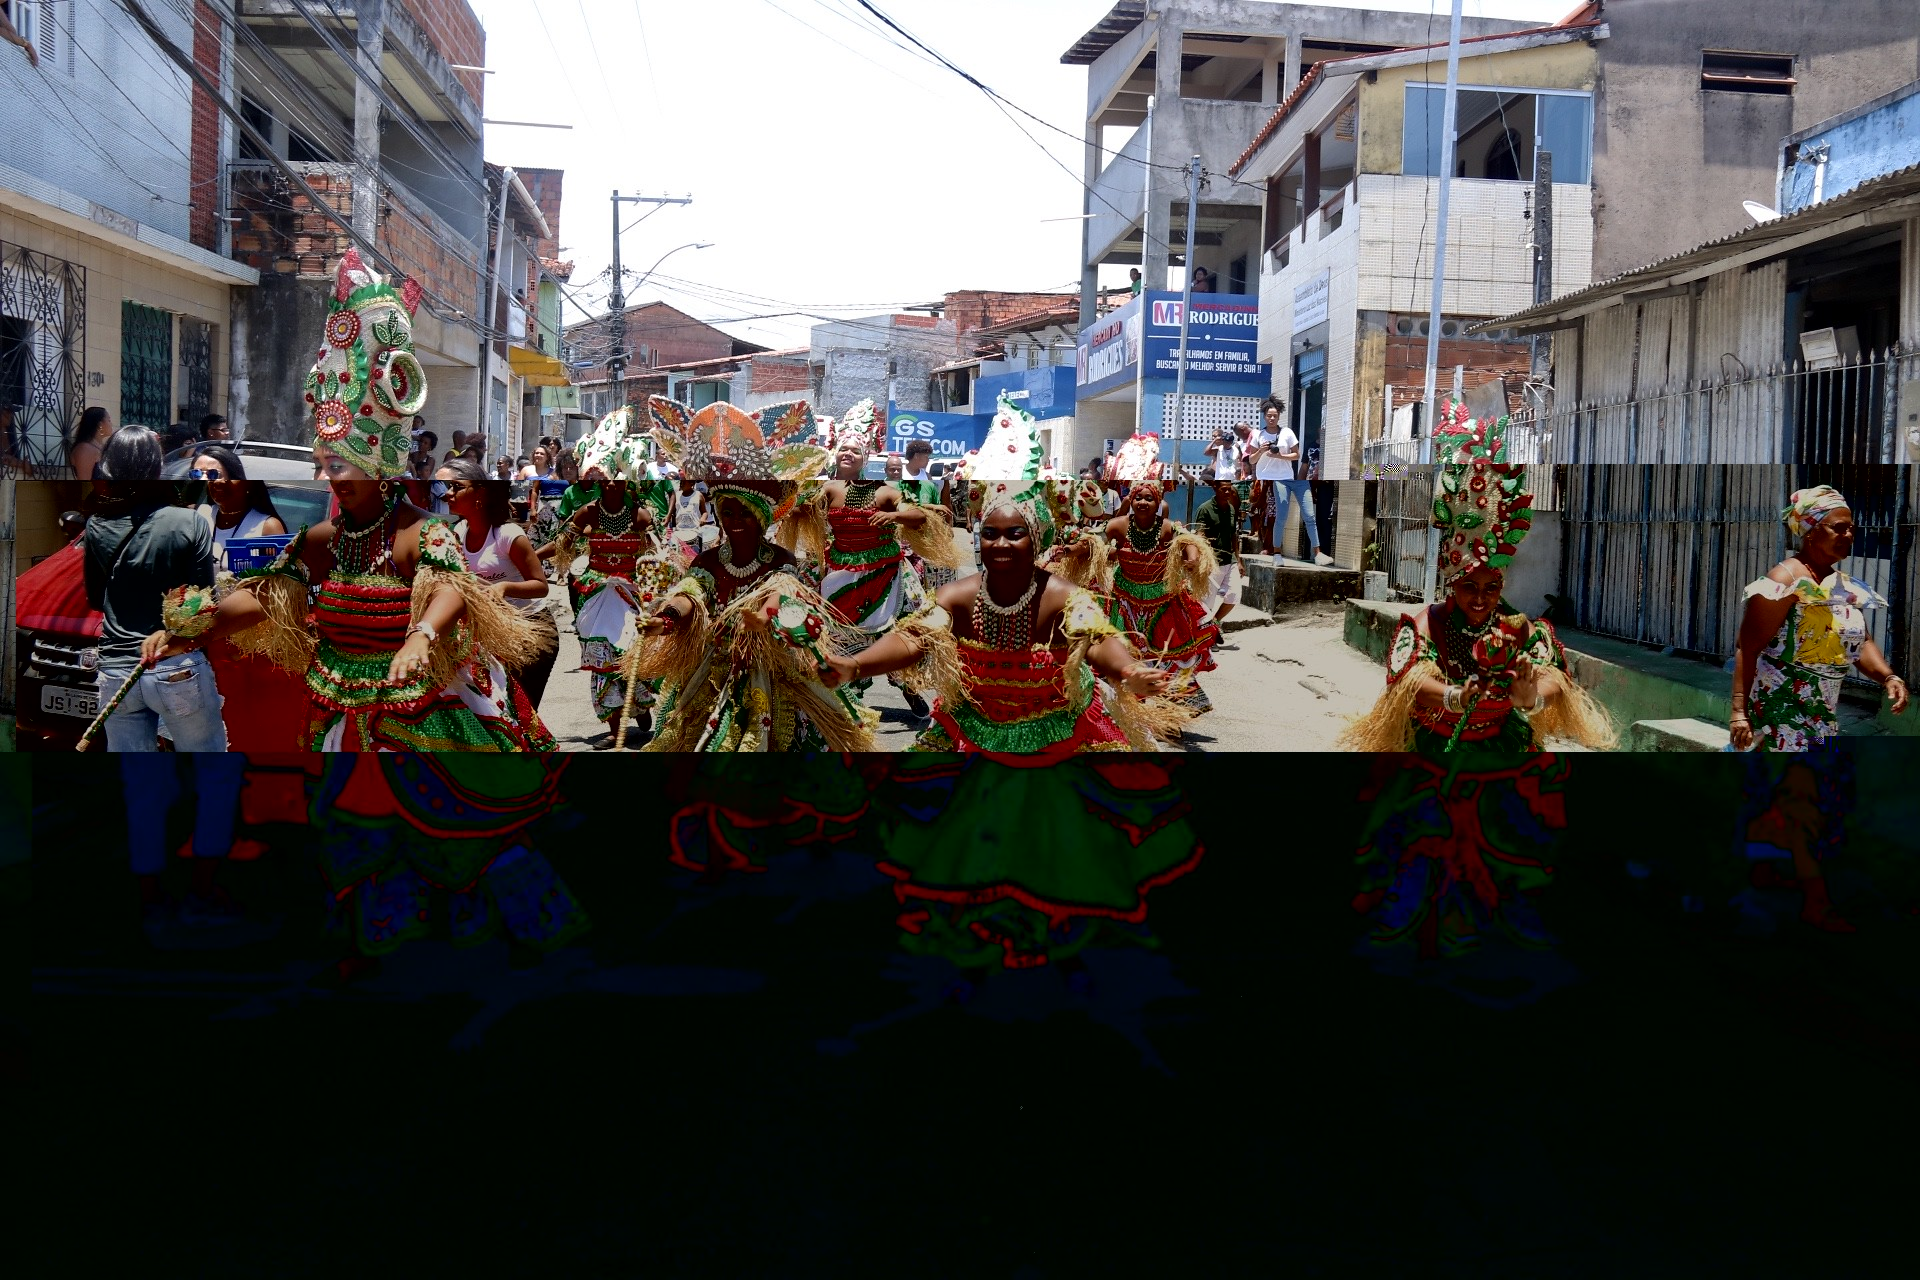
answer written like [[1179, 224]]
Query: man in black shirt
[[1218, 521]]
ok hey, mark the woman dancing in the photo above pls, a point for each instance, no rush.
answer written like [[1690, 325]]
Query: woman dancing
[[404, 650], [740, 644], [1012, 652], [1460, 828]]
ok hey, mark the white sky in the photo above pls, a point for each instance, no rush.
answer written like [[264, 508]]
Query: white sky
[[763, 111]]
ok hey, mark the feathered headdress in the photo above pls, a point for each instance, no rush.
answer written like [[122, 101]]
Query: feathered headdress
[[1009, 470], [1479, 506], [616, 452], [759, 459], [366, 381]]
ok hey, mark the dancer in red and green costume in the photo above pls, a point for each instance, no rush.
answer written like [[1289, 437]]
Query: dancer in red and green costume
[[1012, 653], [1462, 828], [628, 566], [997, 867], [396, 831], [1161, 577], [735, 812], [856, 527], [405, 650], [739, 643]]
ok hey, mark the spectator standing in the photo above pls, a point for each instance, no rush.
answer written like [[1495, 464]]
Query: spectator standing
[[690, 516], [134, 552], [1133, 274], [1202, 280], [1218, 521], [90, 436], [1277, 464], [214, 428], [242, 508]]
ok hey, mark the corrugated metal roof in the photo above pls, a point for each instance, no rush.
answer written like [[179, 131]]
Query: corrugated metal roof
[[1898, 185], [1104, 34]]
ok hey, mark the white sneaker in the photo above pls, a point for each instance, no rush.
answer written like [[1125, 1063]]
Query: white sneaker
[[1321, 557]]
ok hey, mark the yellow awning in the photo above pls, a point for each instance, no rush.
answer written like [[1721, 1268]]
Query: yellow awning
[[537, 367]]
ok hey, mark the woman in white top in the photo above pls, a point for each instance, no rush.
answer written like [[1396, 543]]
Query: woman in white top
[[242, 508], [541, 467], [501, 555]]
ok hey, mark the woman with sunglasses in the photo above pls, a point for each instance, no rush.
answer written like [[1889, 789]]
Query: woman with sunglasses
[[502, 556], [265, 708], [242, 508]]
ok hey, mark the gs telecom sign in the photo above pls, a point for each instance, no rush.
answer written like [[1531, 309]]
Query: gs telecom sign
[[950, 434]]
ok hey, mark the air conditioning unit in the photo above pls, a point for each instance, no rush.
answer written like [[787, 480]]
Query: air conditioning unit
[[1826, 348]]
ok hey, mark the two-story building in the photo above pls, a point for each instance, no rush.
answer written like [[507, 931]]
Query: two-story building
[[114, 285]]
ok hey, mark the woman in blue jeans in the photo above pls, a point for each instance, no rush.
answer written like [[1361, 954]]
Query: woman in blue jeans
[[136, 549], [152, 787], [1277, 462]]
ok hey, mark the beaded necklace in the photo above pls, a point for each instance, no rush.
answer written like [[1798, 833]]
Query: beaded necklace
[[860, 493], [763, 556], [1004, 626], [1459, 637], [615, 524], [363, 551], [1134, 536]]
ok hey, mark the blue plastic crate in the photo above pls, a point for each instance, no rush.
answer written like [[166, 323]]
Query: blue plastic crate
[[246, 554]]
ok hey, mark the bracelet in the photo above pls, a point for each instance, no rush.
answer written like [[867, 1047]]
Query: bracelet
[[1452, 700], [856, 669], [425, 630], [1539, 698]]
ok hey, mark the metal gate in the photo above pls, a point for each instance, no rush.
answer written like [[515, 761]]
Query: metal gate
[[1402, 518], [43, 350], [1661, 555], [196, 368], [146, 366]]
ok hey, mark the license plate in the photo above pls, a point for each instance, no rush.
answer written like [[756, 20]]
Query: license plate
[[84, 703]]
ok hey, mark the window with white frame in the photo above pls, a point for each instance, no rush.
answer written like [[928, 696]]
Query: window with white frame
[[1497, 132]]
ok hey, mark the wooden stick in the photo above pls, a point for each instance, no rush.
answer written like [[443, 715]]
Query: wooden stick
[[100, 721]]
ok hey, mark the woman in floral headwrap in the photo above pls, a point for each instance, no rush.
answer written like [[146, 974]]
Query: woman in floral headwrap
[[1802, 632], [1012, 652], [1460, 828], [404, 649], [740, 642]]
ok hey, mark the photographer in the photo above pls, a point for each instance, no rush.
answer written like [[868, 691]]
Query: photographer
[[1228, 451]]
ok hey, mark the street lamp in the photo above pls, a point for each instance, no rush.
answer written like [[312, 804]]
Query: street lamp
[[617, 304]]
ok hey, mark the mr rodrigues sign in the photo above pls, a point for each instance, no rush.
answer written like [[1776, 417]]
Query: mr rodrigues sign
[[1222, 342]]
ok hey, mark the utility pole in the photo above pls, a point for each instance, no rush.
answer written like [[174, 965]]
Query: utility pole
[[617, 300], [1537, 369], [1186, 316], [370, 44], [1449, 122]]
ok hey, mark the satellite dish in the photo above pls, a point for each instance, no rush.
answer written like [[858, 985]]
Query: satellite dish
[[1759, 212]]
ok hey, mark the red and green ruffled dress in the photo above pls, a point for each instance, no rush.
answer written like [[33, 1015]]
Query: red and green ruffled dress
[[1169, 627], [1030, 707], [397, 829], [1457, 841], [740, 810], [360, 620], [996, 866]]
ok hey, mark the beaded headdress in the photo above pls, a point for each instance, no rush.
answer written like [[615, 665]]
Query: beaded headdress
[[1009, 471], [859, 426], [366, 382], [618, 454], [1479, 506], [758, 458], [1808, 507]]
